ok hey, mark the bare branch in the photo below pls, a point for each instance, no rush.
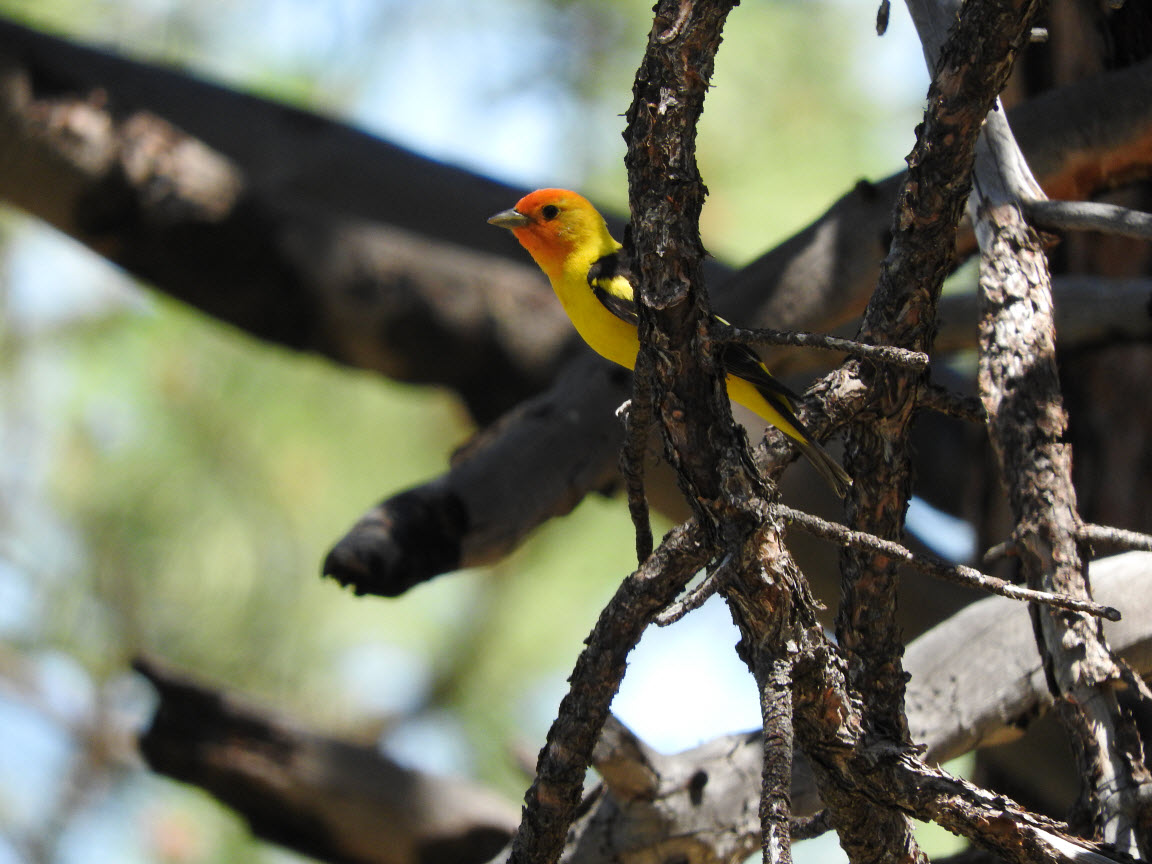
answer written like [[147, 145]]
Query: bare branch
[[767, 596], [321, 796], [698, 806], [935, 398], [1116, 537], [467, 517], [831, 729], [695, 598], [1020, 387], [555, 793], [1088, 216], [974, 62], [295, 228], [808, 827], [915, 361], [991, 691], [932, 566]]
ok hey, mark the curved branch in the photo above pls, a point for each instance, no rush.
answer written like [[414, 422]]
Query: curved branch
[[297, 229], [1088, 216], [321, 796], [555, 793]]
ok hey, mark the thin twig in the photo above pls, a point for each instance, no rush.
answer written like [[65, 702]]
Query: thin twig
[[914, 360], [637, 414], [1106, 534], [940, 569], [1006, 549], [1088, 216], [695, 598], [937, 398]]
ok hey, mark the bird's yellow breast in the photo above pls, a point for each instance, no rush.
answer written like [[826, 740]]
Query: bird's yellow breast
[[607, 335]]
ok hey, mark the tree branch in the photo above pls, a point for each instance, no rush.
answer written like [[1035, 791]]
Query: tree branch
[[1088, 216], [995, 688], [315, 794], [768, 598], [550, 803], [1021, 393], [973, 67], [1020, 388], [933, 566], [916, 361], [294, 228], [1116, 537]]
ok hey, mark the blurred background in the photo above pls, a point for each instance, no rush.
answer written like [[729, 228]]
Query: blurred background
[[168, 485]]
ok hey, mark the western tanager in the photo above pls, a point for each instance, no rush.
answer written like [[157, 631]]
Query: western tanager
[[570, 242]]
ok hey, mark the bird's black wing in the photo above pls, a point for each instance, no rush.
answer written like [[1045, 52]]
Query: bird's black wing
[[743, 362], [611, 282]]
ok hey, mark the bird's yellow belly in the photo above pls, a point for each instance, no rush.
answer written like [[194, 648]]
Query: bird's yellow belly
[[607, 335], [613, 339], [617, 340]]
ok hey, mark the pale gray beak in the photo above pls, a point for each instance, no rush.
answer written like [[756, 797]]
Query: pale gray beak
[[509, 219]]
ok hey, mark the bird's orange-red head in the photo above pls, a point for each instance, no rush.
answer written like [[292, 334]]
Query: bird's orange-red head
[[553, 224]]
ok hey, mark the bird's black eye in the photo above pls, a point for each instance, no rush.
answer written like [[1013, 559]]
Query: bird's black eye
[[549, 212]]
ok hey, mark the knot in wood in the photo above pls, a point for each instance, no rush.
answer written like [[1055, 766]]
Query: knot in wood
[[696, 784]]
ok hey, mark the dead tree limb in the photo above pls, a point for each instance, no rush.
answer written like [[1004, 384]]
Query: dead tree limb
[[973, 66], [1020, 387], [957, 701], [315, 794], [551, 802]]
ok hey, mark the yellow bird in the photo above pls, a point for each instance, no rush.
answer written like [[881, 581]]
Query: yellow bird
[[569, 240]]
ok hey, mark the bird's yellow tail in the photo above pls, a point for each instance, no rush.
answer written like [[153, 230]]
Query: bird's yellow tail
[[775, 408]]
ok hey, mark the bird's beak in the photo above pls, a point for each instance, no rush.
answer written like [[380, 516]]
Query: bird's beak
[[509, 219]]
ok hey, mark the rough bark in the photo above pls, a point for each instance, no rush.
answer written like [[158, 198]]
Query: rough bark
[[701, 804], [1021, 392], [552, 799], [333, 799]]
